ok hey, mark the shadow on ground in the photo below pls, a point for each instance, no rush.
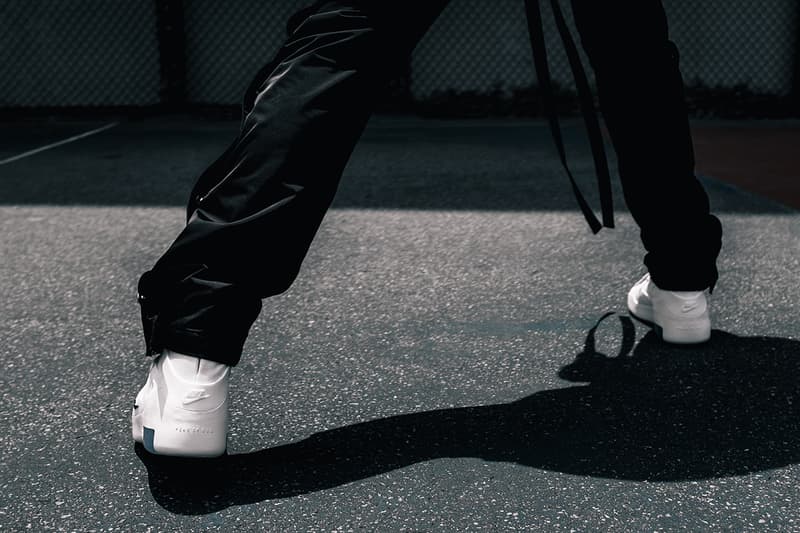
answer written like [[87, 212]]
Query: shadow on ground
[[653, 412], [419, 164]]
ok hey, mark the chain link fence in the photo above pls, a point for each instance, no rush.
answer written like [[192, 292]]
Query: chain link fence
[[476, 59], [226, 47], [730, 43], [737, 58], [57, 53], [482, 45]]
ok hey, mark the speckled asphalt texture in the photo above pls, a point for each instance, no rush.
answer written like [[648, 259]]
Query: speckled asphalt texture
[[435, 367]]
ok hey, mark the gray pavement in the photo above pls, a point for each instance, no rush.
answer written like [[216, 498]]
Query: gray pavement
[[435, 366]]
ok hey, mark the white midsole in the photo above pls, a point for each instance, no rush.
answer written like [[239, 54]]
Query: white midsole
[[678, 331], [183, 433]]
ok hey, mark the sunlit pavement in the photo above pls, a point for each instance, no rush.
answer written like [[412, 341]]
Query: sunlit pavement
[[434, 366]]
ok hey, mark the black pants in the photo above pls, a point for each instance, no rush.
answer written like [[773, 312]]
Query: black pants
[[254, 212]]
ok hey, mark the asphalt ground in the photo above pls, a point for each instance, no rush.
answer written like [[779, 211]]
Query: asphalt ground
[[436, 366], [759, 156]]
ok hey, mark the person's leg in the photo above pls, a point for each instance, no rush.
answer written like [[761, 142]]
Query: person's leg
[[255, 211], [642, 101]]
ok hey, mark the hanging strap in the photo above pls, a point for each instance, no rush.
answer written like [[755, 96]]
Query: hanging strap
[[536, 30]]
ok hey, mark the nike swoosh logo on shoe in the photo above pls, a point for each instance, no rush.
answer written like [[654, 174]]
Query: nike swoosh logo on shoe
[[689, 307], [195, 396]]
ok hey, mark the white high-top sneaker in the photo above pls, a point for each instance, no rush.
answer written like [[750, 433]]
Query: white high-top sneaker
[[677, 316], [183, 407]]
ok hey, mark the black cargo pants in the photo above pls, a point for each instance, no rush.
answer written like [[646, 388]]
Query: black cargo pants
[[253, 213]]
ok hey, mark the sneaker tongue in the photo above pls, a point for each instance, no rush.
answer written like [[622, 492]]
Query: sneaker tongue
[[190, 368]]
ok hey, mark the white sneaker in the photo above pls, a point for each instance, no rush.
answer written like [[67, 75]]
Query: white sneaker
[[677, 316], [183, 407]]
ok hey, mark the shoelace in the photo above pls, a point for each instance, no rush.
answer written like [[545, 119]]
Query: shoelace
[[536, 30]]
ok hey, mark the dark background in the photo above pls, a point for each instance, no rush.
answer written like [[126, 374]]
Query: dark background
[[739, 57]]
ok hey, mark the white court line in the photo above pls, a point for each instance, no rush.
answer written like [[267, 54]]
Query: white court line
[[59, 143]]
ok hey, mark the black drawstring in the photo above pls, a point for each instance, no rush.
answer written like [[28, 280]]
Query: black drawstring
[[536, 31]]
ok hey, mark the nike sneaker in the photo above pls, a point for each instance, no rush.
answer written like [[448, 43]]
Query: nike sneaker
[[680, 317], [182, 409]]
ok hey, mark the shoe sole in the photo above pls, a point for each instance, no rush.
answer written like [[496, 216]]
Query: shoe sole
[[678, 335], [177, 443]]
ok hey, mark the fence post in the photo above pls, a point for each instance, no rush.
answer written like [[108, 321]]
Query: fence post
[[172, 53]]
